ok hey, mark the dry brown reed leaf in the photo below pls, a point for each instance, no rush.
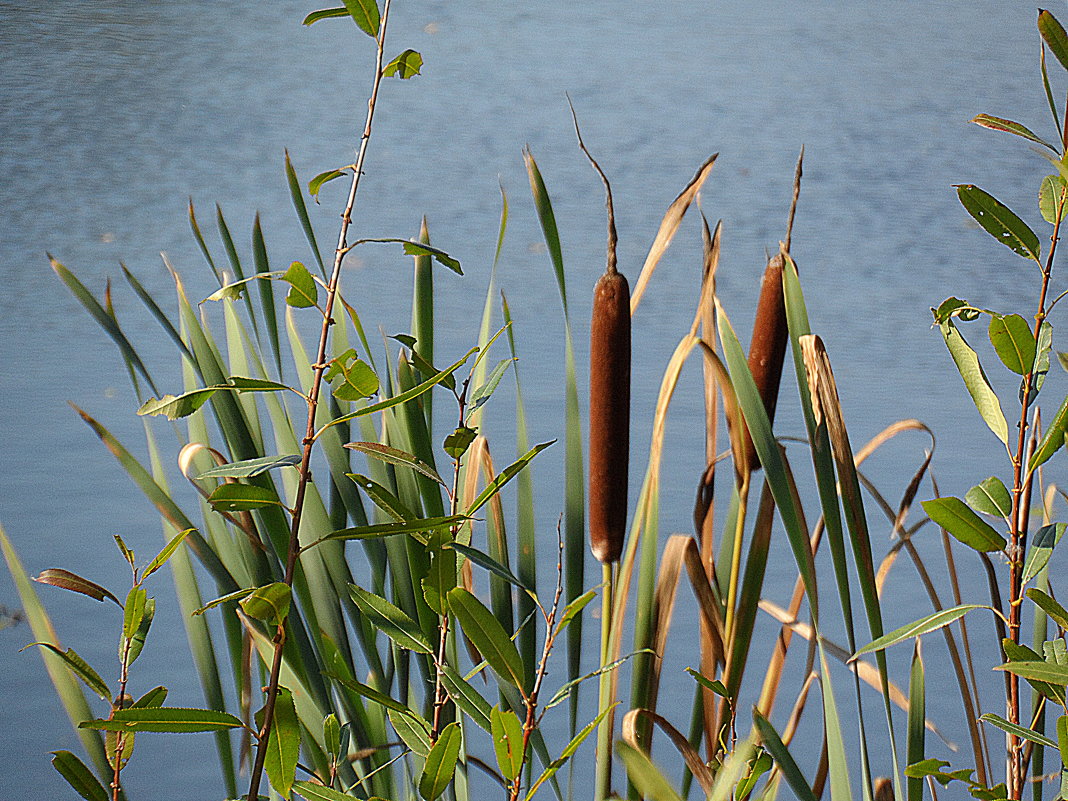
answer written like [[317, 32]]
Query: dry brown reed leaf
[[704, 506], [668, 226], [693, 760], [867, 671], [731, 411], [889, 433]]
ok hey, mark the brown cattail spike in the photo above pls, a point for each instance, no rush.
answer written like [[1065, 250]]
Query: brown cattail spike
[[609, 415], [609, 393], [767, 348]]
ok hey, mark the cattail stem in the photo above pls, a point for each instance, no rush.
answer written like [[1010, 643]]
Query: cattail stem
[[603, 779]]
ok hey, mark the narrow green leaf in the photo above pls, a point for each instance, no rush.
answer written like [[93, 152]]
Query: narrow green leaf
[[391, 620], [304, 292], [153, 699], [569, 751], [371, 694], [1015, 652], [991, 497], [1008, 126], [485, 391], [58, 577], [715, 686], [1052, 439], [137, 641], [365, 14], [644, 775], [1054, 36], [269, 603], [489, 563], [318, 792], [999, 221], [489, 637], [918, 627], [1012, 339], [467, 698], [1038, 671], [1062, 742], [298, 202], [79, 776], [505, 476], [168, 551], [1019, 731], [1049, 606], [177, 406], [916, 733], [326, 13], [133, 611], [165, 719], [316, 184], [383, 498], [782, 757], [390, 529], [1051, 198], [80, 668], [242, 384], [965, 525], [404, 66], [574, 609], [230, 596], [396, 457], [507, 734], [565, 689], [248, 468], [412, 729], [418, 249], [1041, 549], [283, 744], [242, 497], [332, 735], [441, 763], [125, 550], [975, 380]]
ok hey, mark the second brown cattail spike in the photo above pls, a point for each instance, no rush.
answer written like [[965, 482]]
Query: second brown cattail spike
[[609, 396]]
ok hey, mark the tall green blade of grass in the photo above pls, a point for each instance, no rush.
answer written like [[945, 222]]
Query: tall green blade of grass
[[574, 475], [235, 264], [201, 644], [423, 314], [823, 463], [266, 289], [297, 196], [914, 746], [67, 687]]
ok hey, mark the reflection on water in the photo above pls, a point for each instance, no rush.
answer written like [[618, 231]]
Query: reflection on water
[[114, 114]]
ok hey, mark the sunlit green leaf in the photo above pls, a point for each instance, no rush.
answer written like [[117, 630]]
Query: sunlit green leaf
[[269, 603], [283, 743], [359, 381], [467, 698], [316, 184], [1038, 671], [999, 221], [318, 792], [420, 249], [918, 627], [1019, 731], [507, 734], [405, 66], [133, 611], [1051, 198], [397, 625], [242, 497], [991, 497], [643, 774], [1041, 548], [80, 668], [137, 641], [247, 468], [1015, 344], [326, 13], [955, 517], [153, 699], [485, 392], [413, 731], [177, 406], [415, 527], [457, 443], [505, 476], [79, 777], [366, 15], [441, 763], [1054, 36], [396, 457], [168, 551], [489, 637], [569, 751], [1052, 438], [303, 292], [1049, 606], [165, 719]]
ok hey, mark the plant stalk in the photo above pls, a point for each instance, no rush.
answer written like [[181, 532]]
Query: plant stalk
[[319, 368]]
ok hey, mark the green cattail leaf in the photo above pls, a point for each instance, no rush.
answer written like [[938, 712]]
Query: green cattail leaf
[[790, 771], [298, 200], [1000, 221], [914, 741], [955, 517], [649, 780]]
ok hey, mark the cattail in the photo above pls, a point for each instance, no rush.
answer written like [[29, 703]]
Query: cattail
[[767, 348], [609, 414], [609, 394]]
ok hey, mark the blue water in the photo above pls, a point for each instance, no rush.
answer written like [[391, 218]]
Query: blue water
[[114, 114]]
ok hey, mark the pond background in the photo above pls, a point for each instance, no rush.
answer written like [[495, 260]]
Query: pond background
[[114, 114]]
